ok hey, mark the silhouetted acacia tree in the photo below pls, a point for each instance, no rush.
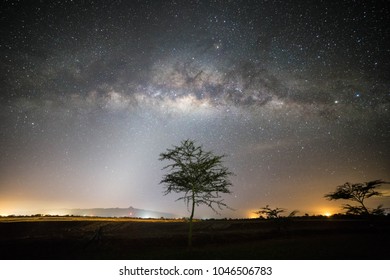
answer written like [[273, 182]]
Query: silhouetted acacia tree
[[358, 193], [270, 213], [200, 176]]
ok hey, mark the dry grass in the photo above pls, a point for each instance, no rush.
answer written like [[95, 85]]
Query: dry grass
[[126, 238]]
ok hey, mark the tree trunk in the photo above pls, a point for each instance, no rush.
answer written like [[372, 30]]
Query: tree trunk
[[191, 218], [364, 208]]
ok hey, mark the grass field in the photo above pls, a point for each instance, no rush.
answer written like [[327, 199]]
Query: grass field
[[124, 238]]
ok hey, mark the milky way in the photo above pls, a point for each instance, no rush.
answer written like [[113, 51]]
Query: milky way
[[295, 93]]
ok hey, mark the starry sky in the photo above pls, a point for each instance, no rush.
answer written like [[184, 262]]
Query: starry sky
[[296, 94]]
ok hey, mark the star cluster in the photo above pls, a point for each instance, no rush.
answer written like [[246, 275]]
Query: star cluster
[[296, 94]]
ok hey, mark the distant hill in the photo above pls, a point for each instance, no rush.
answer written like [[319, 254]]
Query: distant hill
[[110, 212]]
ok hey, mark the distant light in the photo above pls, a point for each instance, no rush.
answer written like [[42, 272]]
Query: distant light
[[336, 102], [327, 214]]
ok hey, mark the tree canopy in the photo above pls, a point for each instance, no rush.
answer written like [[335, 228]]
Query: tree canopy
[[358, 192]]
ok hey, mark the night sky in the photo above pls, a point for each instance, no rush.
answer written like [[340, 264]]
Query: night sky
[[296, 94]]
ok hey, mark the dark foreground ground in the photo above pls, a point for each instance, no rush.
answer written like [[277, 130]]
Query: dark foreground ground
[[85, 238]]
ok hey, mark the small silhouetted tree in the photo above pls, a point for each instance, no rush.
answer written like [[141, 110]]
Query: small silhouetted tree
[[358, 193], [200, 176], [270, 213]]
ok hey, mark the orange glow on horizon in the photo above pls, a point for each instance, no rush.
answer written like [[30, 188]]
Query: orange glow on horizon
[[28, 207], [251, 215]]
